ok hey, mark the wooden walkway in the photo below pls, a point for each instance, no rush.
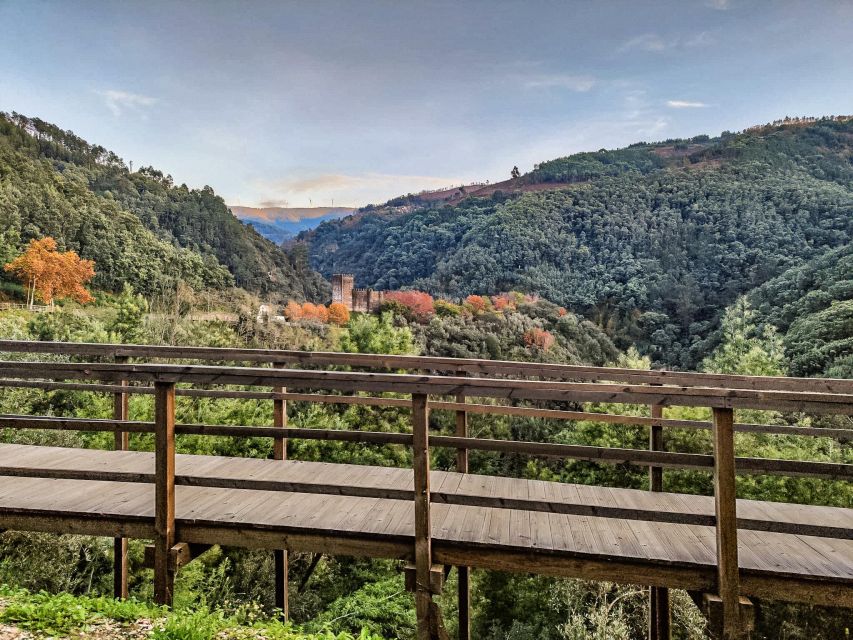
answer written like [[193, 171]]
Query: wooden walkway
[[718, 548], [573, 542]]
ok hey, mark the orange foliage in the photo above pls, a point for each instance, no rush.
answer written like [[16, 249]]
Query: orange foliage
[[49, 274], [317, 312], [338, 314], [293, 311], [503, 302], [419, 303], [538, 338], [477, 304]]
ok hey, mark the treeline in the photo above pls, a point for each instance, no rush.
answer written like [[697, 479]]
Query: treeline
[[653, 256], [138, 227]]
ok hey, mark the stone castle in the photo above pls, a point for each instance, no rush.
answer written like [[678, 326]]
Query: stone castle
[[363, 300]]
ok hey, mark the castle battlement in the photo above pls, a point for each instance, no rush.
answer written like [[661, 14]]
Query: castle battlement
[[355, 299]]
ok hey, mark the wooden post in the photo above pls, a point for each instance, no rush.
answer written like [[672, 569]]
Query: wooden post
[[121, 411], [728, 578], [464, 573], [660, 616], [282, 586], [423, 532], [164, 490]]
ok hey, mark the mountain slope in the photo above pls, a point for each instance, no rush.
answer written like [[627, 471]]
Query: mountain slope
[[137, 226], [652, 241]]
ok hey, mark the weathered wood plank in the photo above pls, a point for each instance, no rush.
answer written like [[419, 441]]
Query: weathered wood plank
[[728, 572], [164, 488]]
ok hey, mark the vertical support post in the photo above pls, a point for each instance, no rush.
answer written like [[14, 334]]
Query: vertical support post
[[282, 586], [728, 578], [121, 411], [164, 490], [464, 573], [423, 532], [660, 616]]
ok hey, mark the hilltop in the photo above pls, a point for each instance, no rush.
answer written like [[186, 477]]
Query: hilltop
[[139, 227], [282, 223], [652, 242]]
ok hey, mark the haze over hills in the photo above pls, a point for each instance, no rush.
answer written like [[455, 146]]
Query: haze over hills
[[282, 223], [652, 242]]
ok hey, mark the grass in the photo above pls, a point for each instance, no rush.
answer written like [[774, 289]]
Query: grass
[[49, 615]]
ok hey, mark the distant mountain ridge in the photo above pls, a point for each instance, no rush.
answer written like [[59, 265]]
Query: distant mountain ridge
[[283, 223]]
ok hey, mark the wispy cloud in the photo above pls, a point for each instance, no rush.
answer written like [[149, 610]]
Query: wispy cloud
[[719, 5], [321, 189], [656, 43], [579, 83], [119, 102], [685, 104], [647, 42]]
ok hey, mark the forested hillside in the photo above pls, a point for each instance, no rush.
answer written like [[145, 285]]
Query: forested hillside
[[138, 227], [813, 306], [651, 242]]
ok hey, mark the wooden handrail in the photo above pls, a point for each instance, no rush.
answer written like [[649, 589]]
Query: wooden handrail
[[815, 402], [491, 409], [431, 363]]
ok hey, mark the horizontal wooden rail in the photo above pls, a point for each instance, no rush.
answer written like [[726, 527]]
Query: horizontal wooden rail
[[609, 455], [489, 409], [438, 385], [430, 363]]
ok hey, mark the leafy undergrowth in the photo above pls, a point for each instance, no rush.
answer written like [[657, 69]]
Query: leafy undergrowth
[[43, 615]]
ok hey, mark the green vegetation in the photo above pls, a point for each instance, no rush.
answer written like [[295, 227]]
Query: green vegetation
[[729, 255], [138, 227], [61, 615], [652, 247]]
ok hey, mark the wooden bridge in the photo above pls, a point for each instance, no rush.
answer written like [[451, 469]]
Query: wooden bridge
[[722, 550]]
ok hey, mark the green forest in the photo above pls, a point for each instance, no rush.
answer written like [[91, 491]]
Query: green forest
[[651, 242], [726, 255], [138, 226]]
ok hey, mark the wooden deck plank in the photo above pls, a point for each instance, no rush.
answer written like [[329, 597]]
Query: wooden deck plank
[[495, 531]]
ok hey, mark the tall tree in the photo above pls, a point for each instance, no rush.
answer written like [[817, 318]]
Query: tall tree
[[50, 274]]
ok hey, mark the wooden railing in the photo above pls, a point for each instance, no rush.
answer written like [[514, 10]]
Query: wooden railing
[[466, 380]]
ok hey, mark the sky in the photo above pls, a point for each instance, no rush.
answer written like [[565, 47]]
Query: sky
[[344, 103]]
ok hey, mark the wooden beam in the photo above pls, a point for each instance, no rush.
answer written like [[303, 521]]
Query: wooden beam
[[728, 573], [719, 397], [280, 559], [431, 363], [121, 412], [660, 615], [423, 527], [463, 573], [164, 490]]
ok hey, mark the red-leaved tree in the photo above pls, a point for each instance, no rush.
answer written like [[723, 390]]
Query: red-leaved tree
[[420, 304]]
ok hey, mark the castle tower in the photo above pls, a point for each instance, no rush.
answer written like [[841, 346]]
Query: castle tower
[[342, 285]]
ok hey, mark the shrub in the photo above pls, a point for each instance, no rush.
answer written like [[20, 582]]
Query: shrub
[[419, 304], [338, 314], [477, 304], [317, 312], [539, 339]]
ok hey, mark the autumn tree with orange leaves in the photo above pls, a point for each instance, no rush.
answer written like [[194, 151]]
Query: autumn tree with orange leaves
[[49, 274], [338, 314]]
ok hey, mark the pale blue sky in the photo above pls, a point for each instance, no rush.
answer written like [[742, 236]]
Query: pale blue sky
[[302, 102]]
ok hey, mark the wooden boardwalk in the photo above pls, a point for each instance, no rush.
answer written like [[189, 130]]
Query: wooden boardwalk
[[310, 517], [720, 549]]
